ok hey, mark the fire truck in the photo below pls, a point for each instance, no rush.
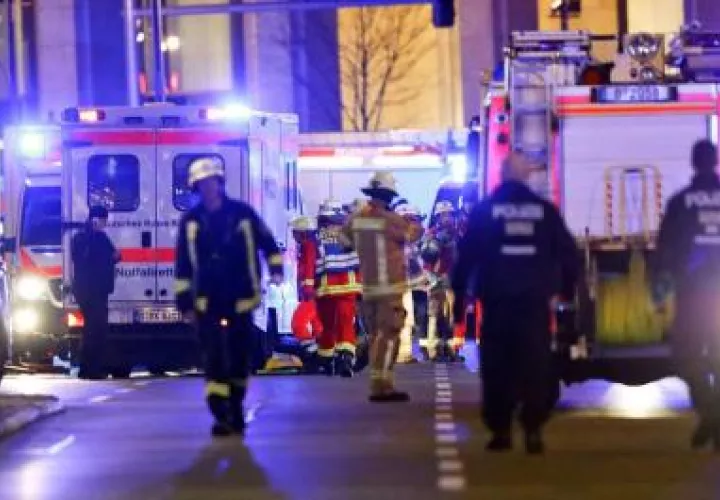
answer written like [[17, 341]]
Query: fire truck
[[428, 165], [610, 148], [135, 161], [30, 207]]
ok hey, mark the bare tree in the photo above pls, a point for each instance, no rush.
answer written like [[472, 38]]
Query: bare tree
[[378, 50]]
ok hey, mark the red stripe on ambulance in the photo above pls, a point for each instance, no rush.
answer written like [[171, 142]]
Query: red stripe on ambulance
[[147, 255]]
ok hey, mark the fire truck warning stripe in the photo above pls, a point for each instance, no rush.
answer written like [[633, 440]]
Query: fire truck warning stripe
[[197, 137], [635, 109], [147, 255]]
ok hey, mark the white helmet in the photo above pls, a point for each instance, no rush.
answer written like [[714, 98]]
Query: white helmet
[[381, 181], [444, 207], [407, 210], [330, 208], [204, 168], [304, 223]]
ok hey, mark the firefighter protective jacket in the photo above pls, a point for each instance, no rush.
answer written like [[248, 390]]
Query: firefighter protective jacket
[[337, 266], [307, 261], [516, 246], [217, 263], [688, 249], [380, 237], [439, 250]]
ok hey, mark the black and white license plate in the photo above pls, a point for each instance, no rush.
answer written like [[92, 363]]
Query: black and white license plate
[[619, 94], [157, 315]]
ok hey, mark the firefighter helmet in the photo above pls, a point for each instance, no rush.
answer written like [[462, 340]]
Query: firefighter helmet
[[330, 208], [407, 210], [304, 223], [444, 207], [204, 168], [381, 183]]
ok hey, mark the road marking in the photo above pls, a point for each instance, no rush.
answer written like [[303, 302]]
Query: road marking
[[61, 445], [451, 482], [142, 383], [99, 399], [125, 390], [449, 465]]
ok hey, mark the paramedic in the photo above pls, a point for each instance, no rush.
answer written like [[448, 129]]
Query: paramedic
[[379, 235], [218, 287], [688, 261], [94, 258], [517, 254]]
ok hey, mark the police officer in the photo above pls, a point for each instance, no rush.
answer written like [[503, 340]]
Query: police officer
[[94, 258], [218, 286], [519, 254], [688, 260]]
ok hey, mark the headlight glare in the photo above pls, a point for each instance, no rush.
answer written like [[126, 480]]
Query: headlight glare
[[30, 287]]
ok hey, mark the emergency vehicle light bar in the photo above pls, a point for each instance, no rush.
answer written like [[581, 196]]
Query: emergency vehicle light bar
[[87, 115], [231, 112]]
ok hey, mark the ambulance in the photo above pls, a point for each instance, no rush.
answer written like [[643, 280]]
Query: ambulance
[[610, 148], [134, 161], [31, 217], [423, 162]]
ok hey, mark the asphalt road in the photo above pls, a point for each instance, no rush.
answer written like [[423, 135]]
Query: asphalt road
[[317, 438]]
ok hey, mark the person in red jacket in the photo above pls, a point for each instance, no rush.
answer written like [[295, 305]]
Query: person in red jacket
[[305, 323], [337, 289]]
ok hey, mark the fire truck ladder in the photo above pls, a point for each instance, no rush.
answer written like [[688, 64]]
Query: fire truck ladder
[[531, 115], [636, 205]]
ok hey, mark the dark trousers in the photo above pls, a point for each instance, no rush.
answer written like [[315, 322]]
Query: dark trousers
[[227, 342], [94, 336], [516, 363], [420, 311], [696, 348]]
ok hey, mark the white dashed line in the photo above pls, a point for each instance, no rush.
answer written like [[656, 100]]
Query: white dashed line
[[61, 445], [450, 467], [141, 383], [125, 390], [99, 399]]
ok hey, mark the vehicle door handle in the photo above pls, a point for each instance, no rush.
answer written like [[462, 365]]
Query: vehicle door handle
[[146, 239]]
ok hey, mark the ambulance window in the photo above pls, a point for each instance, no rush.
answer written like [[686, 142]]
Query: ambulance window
[[114, 182], [41, 217], [183, 197]]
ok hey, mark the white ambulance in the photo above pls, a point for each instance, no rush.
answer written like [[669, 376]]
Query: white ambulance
[[30, 208], [134, 162]]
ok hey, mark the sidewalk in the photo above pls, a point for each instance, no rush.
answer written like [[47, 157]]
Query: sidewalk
[[20, 410]]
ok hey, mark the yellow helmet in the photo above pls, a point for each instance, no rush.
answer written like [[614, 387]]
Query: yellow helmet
[[204, 168], [304, 223]]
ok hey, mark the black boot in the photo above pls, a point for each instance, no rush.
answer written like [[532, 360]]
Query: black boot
[[704, 434], [425, 354], [326, 365], [534, 443], [220, 409], [344, 361], [237, 415], [500, 441]]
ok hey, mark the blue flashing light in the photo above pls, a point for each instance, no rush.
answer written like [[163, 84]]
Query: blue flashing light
[[229, 112], [32, 145]]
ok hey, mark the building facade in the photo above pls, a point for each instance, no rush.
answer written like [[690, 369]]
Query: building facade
[[75, 52]]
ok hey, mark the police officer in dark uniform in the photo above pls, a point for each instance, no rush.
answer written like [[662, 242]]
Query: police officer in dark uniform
[[218, 287], [688, 261], [94, 258], [515, 256]]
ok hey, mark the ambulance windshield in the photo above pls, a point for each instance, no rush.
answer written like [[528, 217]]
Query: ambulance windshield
[[41, 217]]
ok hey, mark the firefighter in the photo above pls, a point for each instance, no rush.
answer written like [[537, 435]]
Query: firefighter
[[688, 261], [438, 252], [337, 288], [380, 236], [416, 279], [305, 324], [218, 286], [468, 201], [517, 254], [94, 258]]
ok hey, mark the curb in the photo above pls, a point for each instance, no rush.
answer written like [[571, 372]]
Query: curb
[[27, 416]]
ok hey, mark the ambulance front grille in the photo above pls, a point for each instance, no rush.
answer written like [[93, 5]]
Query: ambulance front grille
[[56, 289]]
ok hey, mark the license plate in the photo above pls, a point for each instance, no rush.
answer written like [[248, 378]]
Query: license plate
[[619, 94], [154, 315]]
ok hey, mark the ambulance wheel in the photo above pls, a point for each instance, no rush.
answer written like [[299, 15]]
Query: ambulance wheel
[[121, 373]]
